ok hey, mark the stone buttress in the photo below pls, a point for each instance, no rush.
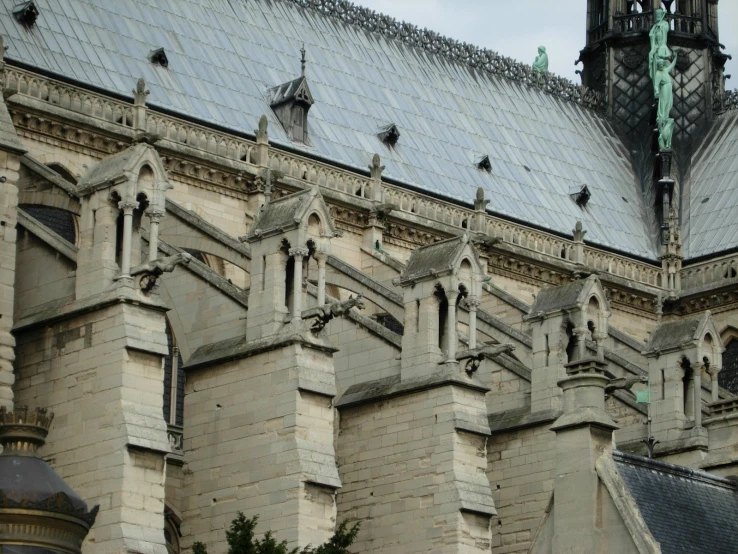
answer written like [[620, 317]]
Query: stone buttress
[[259, 433], [412, 448], [96, 358]]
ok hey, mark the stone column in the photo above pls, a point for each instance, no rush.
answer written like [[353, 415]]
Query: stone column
[[155, 216], [127, 206], [298, 254], [321, 258], [473, 303], [697, 381], [600, 339], [9, 214], [451, 335], [714, 371], [582, 334], [583, 435]]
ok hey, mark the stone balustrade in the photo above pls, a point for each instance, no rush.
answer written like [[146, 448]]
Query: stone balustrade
[[226, 146]]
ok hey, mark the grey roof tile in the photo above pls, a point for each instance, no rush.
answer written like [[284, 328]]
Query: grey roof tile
[[686, 510], [225, 55]]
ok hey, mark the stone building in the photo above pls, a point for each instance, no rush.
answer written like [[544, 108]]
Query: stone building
[[296, 259]]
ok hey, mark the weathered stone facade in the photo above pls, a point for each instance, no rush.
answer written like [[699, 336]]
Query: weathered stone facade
[[352, 349]]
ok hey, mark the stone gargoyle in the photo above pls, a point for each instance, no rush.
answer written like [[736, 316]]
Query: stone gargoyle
[[151, 271], [475, 356], [623, 383], [321, 315]]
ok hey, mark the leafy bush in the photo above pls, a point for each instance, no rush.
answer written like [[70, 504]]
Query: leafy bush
[[241, 540]]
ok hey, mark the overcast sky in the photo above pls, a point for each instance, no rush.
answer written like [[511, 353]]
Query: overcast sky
[[516, 28]]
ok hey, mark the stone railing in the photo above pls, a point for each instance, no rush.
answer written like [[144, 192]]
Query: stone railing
[[723, 407], [623, 267], [200, 137], [68, 97], [226, 146], [710, 272]]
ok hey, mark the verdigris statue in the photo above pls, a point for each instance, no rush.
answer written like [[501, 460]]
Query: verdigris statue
[[663, 90], [658, 34], [541, 64]]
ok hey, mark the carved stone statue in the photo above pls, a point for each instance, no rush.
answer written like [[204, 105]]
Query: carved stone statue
[[541, 63], [664, 93], [657, 35]]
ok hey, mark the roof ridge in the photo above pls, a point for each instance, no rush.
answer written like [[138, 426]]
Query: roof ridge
[[673, 469], [483, 59]]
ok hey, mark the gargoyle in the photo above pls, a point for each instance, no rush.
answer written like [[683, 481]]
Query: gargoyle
[[323, 314], [485, 241], [488, 351], [151, 271], [623, 383]]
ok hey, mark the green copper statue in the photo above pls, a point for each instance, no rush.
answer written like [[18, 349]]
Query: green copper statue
[[658, 35], [541, 63], [540, 66], [663, 90]]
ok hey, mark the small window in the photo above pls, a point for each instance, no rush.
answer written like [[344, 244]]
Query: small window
[[389, 135], [159, 57], [298, 124], [26, 13]]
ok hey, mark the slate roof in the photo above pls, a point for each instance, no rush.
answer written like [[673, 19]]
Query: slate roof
[[713, 199], [555, 298], [224, 57], [281, 213], [686, 510], [673, 334], [438, 257]]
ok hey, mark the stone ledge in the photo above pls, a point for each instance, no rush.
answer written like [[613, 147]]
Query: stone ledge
[[520, 418], [48, 314], [238, 347], [392, 387]]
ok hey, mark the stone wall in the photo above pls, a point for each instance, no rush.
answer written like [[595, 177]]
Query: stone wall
[[257, 440], [405, 467], [101, 374]]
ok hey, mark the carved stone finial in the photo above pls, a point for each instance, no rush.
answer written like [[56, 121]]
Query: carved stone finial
[[303, 60], [579, 232], [480, 203], [376, 168], [262, 135], [140, 93]]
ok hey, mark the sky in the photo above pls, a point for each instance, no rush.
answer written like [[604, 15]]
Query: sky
[[515, 28]]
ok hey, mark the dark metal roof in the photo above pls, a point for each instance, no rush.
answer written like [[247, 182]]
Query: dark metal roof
[[224, 57], [713, 198], [686, 510]]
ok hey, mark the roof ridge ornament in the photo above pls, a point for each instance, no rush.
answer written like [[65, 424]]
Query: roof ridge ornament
[[303, 60], [479, 58]]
